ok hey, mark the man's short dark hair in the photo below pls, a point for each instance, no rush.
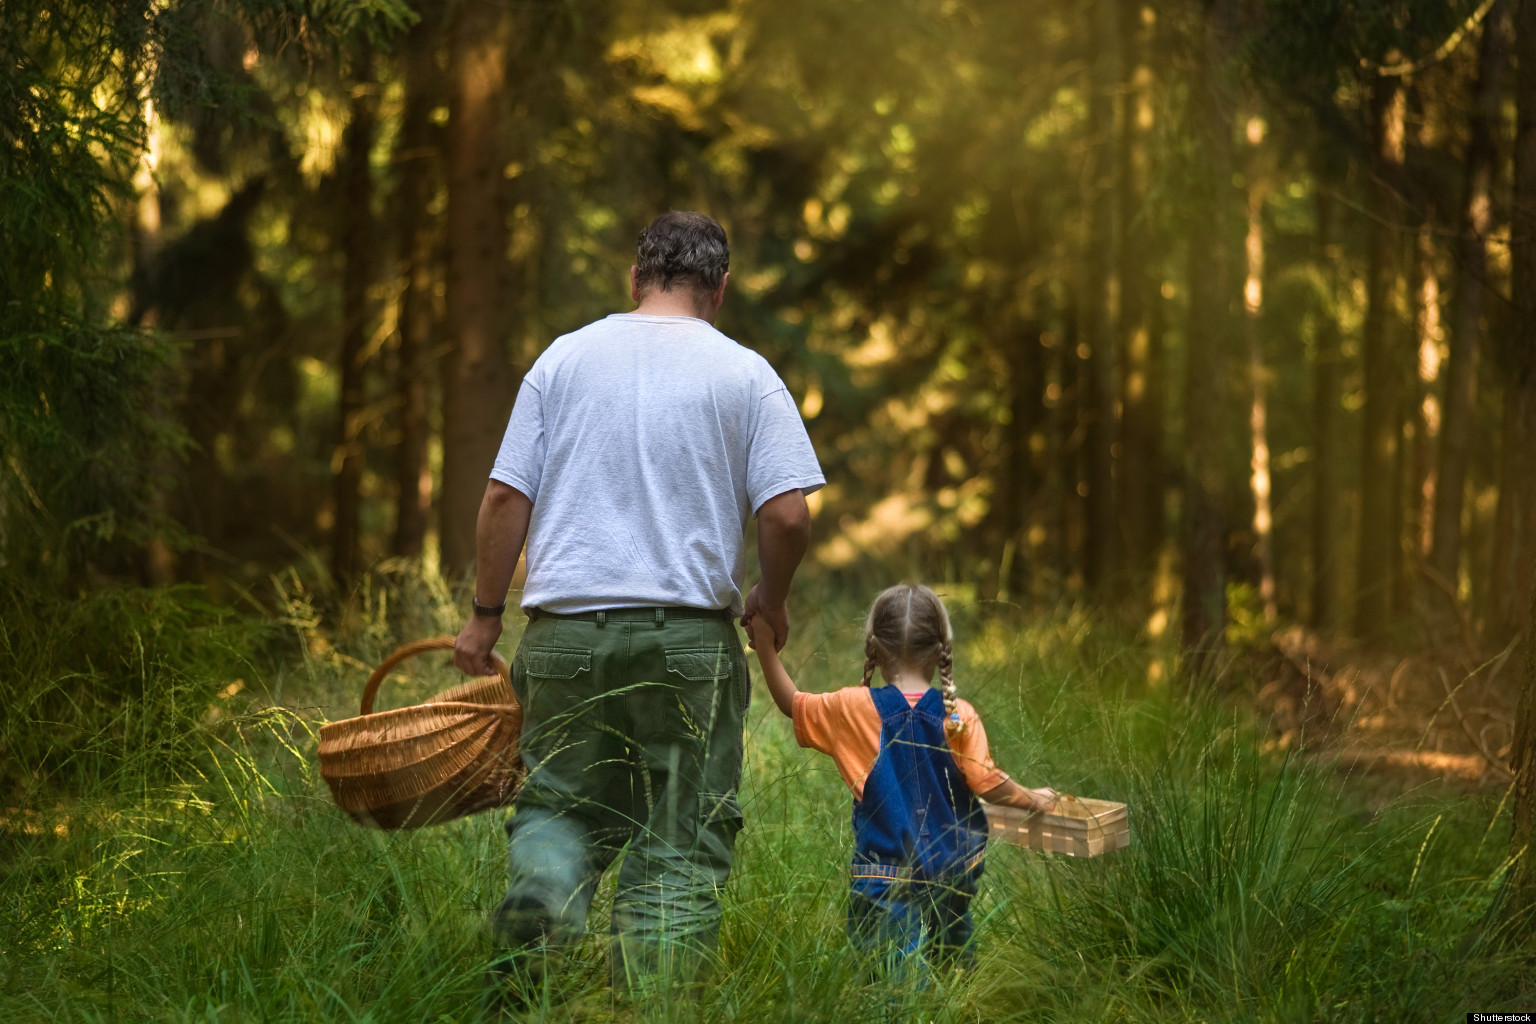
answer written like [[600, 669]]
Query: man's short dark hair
[[682, 248]]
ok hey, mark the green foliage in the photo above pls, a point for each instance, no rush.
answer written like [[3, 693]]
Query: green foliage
[[78, 431], [1309, 48], [111, 689], [87, 436], [1237, 870], [86, 449], [1257, 888], [72, 128]]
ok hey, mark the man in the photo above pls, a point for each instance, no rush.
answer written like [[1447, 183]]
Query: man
[[637, 450]]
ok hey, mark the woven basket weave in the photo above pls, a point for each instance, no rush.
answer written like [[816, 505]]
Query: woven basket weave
[[451, 755]]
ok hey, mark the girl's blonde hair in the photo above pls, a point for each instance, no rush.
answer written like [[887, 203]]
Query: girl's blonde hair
[[908, 623]]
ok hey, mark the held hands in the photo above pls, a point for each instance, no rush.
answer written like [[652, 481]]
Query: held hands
[[1042, 799], [472, 647], [777, 617], [764, 641], [761, 635]]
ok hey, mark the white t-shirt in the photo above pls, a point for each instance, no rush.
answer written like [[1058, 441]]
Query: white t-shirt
[[645, 443]]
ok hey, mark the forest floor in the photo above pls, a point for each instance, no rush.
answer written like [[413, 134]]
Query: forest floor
[[1446, 712], [1271, 876]]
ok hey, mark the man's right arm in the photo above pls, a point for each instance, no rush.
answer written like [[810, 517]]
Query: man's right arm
[[500, 531], [783, 535]]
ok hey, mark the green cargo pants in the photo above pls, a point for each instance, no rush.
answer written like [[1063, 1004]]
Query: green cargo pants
[[632, 734]]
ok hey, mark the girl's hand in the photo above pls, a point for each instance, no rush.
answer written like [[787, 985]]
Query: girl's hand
[[760, 632], [1014, 795]]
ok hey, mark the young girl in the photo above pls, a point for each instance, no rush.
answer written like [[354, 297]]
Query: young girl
[[915, 758]]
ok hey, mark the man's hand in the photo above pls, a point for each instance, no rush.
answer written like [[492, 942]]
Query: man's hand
[[776, 616], [472, 647], [499, 534]]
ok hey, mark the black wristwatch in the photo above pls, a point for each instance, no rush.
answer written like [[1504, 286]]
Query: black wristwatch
[[491, 612]]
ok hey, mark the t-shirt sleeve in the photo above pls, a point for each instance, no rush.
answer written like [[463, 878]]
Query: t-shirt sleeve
[[781, 457], [520, 461], [972, 754], [817, 718]]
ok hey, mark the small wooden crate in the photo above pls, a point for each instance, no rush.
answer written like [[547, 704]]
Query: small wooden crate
[[1097, 827]]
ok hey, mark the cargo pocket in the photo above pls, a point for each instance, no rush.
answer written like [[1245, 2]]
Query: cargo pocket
[[720, 822], [554, 686], [721, 811], [548, 674], [556, 662], [700, 664]]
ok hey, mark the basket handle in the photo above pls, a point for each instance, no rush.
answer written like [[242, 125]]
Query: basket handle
[[410, 650]]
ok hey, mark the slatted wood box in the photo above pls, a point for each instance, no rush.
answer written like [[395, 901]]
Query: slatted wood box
[[1078, 828]]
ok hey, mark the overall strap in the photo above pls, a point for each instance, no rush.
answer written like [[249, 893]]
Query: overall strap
[[892, 705]]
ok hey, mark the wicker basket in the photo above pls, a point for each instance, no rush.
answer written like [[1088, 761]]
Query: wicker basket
[[1079, 827], [451, 755]]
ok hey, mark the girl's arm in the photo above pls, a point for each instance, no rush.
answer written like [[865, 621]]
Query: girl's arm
[[779, 684], [1014, 795]]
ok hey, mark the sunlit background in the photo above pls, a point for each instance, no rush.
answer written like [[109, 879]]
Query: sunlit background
[[1122, 300]]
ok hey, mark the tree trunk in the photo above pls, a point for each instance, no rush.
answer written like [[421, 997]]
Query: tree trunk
[[1380, 498], [1326, 396], [1515, 520], [417, 157], [159, 562], [1457, 416], [1021, 482], [357, 248], [1204, 527], [1102, 306], [1141, 490], [1259, 478], [1062, 392], [1522, 876], [1427, 412], [1515, 526], [479, 384]]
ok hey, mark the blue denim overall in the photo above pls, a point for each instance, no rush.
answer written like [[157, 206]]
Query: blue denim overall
[[919, 839]]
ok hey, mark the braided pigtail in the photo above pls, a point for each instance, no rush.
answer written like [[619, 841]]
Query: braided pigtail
[[952, 723], [871, 658]]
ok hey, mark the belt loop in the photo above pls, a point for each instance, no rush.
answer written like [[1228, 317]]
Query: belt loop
[[533, 614], [602, 618], [661, 617]]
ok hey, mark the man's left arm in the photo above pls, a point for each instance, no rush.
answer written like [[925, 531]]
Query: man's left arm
[[500, 532], [783, 534], [781, 471]]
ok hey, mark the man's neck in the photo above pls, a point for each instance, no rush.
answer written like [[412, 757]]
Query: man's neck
[[677, 302]]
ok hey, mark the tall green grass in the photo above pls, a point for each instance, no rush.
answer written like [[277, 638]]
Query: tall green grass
[[1258, 887], [110, 688]]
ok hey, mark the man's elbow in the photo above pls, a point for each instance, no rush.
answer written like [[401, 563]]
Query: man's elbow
[[500, 496], [786, 515]]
